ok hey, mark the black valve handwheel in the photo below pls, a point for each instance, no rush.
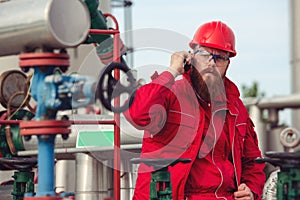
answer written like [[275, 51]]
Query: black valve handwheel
[[110, 88]]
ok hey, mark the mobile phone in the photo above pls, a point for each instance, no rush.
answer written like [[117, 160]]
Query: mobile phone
[[186, 66]]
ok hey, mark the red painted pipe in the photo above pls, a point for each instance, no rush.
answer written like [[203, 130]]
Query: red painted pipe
[[117, 165]]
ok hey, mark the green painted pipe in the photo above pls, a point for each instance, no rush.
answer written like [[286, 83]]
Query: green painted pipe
[[105, 41], [98, 21]]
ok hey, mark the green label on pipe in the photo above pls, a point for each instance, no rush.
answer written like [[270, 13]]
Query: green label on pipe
[[95, 138]]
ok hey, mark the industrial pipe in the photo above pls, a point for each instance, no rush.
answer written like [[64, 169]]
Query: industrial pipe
[[29, 24], [280, 102]]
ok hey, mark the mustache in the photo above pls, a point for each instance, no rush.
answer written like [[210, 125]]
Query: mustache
[[209, 70]]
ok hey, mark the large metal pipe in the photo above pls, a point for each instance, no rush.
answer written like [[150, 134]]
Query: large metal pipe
[[280, 102], [256, 115], [65, 176], [29, 24], [295, 55], [92, 178], [87, 187], [128, 32], [128, 179]]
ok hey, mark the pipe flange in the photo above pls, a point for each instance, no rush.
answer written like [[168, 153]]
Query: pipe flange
[[44, 59], [45, 127]]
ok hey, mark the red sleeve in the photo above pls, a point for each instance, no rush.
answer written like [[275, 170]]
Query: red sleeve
[[148, 110], [252, 173]]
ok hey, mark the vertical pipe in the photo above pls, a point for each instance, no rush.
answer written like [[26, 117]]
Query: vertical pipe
[[256, 116], [46, 165], [65, 176], [128, 33], [105, 177], [124, 179], [295, 56], [86, 173], [116, 54], [127, 176], [273, 117]]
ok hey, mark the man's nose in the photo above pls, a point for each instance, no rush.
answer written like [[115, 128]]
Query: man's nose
[[212, 62]]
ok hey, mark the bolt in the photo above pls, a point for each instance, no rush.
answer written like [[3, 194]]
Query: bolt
[[25, 69], [27, 137], [65, 136]]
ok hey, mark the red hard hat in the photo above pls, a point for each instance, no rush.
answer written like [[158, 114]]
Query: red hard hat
[[215, 35]]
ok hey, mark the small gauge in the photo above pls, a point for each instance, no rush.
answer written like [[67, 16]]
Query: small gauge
[[290, 137], [12, 84]]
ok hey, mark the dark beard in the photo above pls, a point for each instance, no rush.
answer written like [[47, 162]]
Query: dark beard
[[199, 85], [207, 90]]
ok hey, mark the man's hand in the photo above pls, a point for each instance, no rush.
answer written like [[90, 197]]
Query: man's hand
[[177, 61], [243, 193]]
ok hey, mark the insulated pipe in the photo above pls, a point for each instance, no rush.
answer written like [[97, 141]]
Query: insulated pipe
[[128, 31], [256, 116], [86, 173], [94, 184], [295, 56], [281, 102], [29, 24], [65, 176]]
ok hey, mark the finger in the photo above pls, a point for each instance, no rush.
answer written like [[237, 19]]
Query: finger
[[177, 61], [243, 198], [243, 186], [178, 56], [184, 54], [240, 194], [245, 194], [189, 58]]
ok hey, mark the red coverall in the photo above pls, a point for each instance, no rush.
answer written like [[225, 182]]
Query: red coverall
[[174, 121]]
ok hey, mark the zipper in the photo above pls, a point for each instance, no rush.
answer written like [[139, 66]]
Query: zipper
[[232, 150], [213, 150]]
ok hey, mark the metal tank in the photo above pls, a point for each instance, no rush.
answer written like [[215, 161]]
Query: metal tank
[[29, 24]]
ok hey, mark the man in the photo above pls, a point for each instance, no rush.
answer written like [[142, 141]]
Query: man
[[202, 118]]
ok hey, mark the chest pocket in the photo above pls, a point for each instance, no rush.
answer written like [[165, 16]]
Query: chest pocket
[[241, 130]]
